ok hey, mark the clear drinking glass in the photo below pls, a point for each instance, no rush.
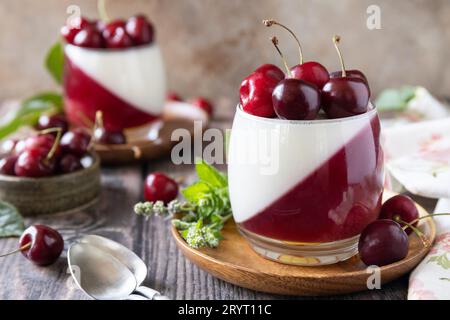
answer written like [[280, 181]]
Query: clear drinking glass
[[303, 191]]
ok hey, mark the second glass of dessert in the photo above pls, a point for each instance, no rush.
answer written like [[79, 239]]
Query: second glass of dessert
[[113, 67], [305, 162]]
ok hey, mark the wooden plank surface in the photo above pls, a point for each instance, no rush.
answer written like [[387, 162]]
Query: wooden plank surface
[[169, 271]]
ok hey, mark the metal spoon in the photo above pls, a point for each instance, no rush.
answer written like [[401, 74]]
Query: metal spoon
[[128, 258], [99, 274], [106, 270]]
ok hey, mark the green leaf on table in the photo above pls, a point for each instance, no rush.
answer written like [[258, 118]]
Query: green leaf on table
[[395, 99], [30, 111], [54, 61], [196, 191], [210, 175], [11, 222]]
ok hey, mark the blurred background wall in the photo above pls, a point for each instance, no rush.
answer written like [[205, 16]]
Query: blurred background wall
[[210, 45]]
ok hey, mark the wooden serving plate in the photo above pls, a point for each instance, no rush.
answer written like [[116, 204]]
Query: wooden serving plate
[[235, 262], [154, 140], [55, 194]]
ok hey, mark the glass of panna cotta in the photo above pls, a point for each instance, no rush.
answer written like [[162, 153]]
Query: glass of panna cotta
[[303, 191], [127, 84]]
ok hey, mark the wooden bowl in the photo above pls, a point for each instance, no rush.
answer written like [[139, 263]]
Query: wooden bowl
[[61, 193]]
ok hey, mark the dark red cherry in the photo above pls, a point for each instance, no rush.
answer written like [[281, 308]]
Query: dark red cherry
[[140, 30], [34, 163], [7, 165], [352, 74], [103, 136], [256, 90], [295, 99], [401, 207], [383, 242], [203, 104], [52, 121], [88, 37], [172, 96], [115, 36], [43, 141], [69, 163], [43, 245], [76, 141], [345, 97], [70, 31], [312, 72], [159, 187]]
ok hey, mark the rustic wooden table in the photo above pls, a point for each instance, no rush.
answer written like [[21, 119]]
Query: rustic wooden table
[[169, 271]]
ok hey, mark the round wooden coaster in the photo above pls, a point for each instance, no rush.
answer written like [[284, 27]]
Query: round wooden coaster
[[235, 262]]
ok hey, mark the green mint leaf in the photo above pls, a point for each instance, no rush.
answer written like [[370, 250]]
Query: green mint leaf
[[196, 191], [30, 111], [11, 222], [54, 61], [211, 175], [395, 99]]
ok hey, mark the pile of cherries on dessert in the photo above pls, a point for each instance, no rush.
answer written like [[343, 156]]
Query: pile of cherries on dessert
[[304, 89], [117, 34]]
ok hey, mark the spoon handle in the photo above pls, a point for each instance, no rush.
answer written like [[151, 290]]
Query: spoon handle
[[150, 293], [136, 297]]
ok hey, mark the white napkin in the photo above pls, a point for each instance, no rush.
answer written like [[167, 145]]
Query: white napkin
[[418, 158], [431, 279]]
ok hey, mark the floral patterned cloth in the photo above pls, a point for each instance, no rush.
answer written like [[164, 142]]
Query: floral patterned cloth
[[418, 159]]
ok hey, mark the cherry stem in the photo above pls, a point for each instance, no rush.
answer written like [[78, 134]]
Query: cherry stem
[[275, 43], [336, 40], [271, 22], [426, 243], [101, 7], [24, 247], [58, 131], [98, 124], [430, 216]]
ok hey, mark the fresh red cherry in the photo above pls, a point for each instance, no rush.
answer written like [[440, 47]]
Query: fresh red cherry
[[400, 207], [69, 163], [345, 96], [103, 136], [295, 99], [34, 163], [203, 104], [383, 242], [256, 90], [172, 96], [352, 74], [70, 31], [76, 141], [88, 37], [42, 245], [52, 121], [7, 165], [312, 72], [140, 30], [45, 142], [115, 36], [159, 187]]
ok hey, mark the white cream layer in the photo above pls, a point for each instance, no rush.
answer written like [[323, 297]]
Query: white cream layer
[[268, 157], [136, 75]]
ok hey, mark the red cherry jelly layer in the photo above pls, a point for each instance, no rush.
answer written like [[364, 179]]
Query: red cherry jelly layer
[[335, 202], [83, 97]]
